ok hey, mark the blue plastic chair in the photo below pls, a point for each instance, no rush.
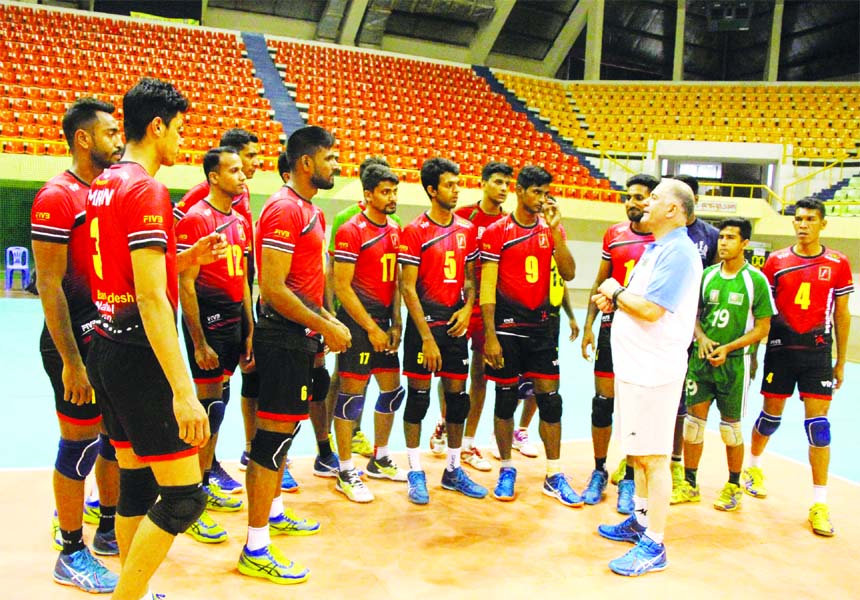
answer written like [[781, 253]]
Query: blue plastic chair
[[17, 259]]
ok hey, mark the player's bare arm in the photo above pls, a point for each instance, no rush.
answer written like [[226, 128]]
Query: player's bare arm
[[395, 332], [761, 328], [409, 293], [459, 321], [204, 355], [343, 274], [588, 334], [206, 250], [246, 359], [842, 320], [492, 347], [571, 318]]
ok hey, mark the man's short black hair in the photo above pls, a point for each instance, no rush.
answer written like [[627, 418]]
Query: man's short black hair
[[238, 138], [212, 158], [689, 180], [433, 169], [371, 160], [150, 98], [649, 181], [82, 115], [812, 204], [532, 175], [375, 174], [743, 225], [306, 141], [493, 167]]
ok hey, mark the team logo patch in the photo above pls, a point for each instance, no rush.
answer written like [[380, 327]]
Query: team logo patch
[[461, 240], [714, 297], [157, 219], [543, 241], [395, 240], [43, 216], [343, 244], [284, 233], [824, 273], [736, 298]]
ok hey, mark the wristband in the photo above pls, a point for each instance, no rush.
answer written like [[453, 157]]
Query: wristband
[[615, 295]]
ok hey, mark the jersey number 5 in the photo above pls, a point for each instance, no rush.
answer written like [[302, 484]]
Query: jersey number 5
[[450, 268]]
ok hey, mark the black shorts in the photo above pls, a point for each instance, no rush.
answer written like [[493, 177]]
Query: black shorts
[[603, 353], [286, 381], [136, 400], [227, 344], [528, 351], [454, 351], [359, 361], [810, 370], [89, 413]]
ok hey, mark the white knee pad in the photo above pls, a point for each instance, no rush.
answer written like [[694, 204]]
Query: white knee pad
[[694, 429], [731, 433]]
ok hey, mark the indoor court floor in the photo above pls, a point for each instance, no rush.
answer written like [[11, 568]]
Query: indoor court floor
[[457, 547]]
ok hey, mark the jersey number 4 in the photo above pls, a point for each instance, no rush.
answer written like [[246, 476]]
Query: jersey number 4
[[802, 296]]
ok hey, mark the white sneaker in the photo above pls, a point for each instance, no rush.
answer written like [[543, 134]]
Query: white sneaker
[[473, 458], [494, 448], [350, 485], [521, 443], [439, 439]]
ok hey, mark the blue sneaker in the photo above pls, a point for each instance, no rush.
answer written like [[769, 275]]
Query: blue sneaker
[[417, 490], [593, 492], [104, 543], [557, 487], [243, 460], [92, 510], [223, 479], [629, 530], [626, 489], [84, 571], [646, 556], [288, 484], [327, 467], [458, 481], [505, 486]]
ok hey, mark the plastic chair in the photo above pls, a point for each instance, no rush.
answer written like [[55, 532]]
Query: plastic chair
[[17, 259]]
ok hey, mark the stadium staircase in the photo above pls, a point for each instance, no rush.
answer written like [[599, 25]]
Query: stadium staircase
[[286, 111]]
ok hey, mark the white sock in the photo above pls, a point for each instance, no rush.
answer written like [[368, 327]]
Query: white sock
[[277, 508], [468, 442], [755, 461], [656, 537], [553, 467], [453, 459], [147, 595], [819, 494], [414, 456], [381, 452], [640, 510], [507, 463], [258, 537], [346, 465]]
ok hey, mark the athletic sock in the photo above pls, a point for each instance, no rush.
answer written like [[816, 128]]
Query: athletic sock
[[106, 521], [346, 465], [72, 540], [599, 464], [258, 538], [819, 494], [507, 463], [324, 448], [381, 452], [690, 476], [206, 475], [453, 459], [640, 510], [676, 458], [414, 456], [277, 508], [628, 472], [755, 461], [735, 478], [655, 537], [468, 443], [553, 467]]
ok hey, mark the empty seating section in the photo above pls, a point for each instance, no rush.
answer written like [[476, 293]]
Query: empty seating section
[[408, 110], [50, 58], [821, 122]]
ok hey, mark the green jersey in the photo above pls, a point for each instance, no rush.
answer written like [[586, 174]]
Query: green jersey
[[345, 215], [729, 306]]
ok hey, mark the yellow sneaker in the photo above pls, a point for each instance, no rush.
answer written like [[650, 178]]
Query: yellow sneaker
[[206, 530], [730, 498], [290, 524], [618, 474], [361, 445], [819, 518], [269, 563], [685, 493], [752, 480], [219, 501], [677, 474]]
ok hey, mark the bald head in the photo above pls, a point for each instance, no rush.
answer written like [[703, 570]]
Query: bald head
[[670, 204], [683, 193]]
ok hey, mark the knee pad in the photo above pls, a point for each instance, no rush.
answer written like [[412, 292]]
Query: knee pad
[[694, 429], [215, 408], [348, 406], [417, 403], [321, 380], [506, 402], [389, 402], [250, 384], [269, 448], [817, 431], [458, 405], [731, 433], [179, 507], [549, 407], [601, 411], [137, 492], [525, 388], [106, 449], [766, 424], [75, 459]]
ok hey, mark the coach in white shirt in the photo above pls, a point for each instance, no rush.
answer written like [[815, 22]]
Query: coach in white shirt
[[653, 326]]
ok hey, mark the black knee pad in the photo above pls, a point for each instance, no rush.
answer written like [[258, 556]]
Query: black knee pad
[[269, 448], [321, 381], [250, 384], [507, 399], [549, 406], [137, 492], [214, 408], [179, 507], [417, 403], [106, 449], [458, 405], [601, 411]]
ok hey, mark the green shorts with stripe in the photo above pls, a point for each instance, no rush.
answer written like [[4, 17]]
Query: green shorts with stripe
[[727, 384]]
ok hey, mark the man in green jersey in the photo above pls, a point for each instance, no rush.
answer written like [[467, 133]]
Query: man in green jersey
[[735, 307]]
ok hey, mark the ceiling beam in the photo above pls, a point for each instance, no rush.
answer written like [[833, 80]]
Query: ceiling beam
[[489, 32], [352, 22]]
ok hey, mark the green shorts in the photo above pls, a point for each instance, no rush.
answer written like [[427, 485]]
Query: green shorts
[[727, 384]]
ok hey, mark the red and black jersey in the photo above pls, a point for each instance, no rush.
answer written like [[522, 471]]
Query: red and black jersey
[[440, 252], [481, 220], [289, 223], [805, 289], [623, 247], [219, 285], [58, 217], [524, 255], [373, 249], [127, 210], [241, 203]]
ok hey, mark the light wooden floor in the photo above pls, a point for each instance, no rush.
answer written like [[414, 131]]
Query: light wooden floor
[[457, 547]]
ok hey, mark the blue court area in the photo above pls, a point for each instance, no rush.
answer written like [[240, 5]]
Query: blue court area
[[28, 429]]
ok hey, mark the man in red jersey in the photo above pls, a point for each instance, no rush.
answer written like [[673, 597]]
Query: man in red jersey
[[810, 284], [521, 339], [216, 303], [135, 365], [247, 145], [288, 345], [61, 250], [365, 281], [623, 244], [437, 254]]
